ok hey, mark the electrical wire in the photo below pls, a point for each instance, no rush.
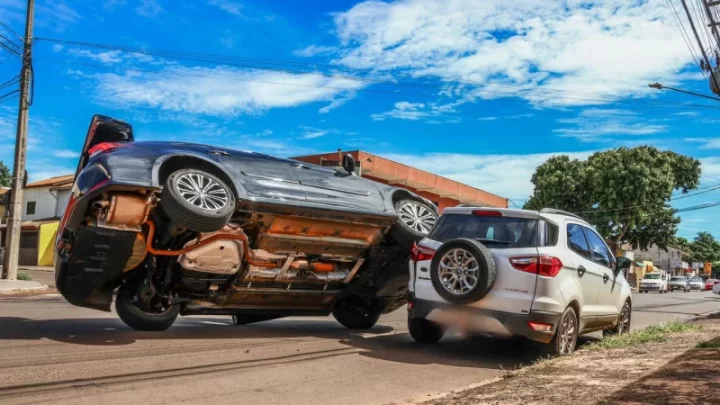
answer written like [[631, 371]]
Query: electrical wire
[[9, 49], [10, 82], [9, 41], [701, 17], [685, 36], [6, 96], [10, 30], [717, 187], [268, 65]]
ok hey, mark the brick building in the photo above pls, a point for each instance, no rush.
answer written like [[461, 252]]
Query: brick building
[[438, 189]]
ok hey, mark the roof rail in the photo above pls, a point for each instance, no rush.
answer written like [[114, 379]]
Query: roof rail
[[561, 212]]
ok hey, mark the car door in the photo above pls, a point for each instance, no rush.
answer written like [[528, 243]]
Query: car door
[[263, 177], [608, 284], [585, 272], [335, 189]]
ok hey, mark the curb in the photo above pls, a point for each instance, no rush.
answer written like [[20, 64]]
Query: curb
[[22, 291]]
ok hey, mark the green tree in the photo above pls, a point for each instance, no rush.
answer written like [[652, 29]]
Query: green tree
[[624, 192], [5, 175], [705, 248]]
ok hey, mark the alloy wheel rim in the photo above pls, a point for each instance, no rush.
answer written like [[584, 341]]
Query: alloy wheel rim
[[202, 191], [566, 335], [624, 320], [458, 271], [417, 217]]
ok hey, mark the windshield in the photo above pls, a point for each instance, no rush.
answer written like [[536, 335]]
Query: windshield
[[696, 280], [495, 232], [654, 276], [677, 279]]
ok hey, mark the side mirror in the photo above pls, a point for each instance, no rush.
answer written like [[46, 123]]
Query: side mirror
[[348, 163]]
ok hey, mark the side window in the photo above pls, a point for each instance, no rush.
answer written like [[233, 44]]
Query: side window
[[577, 241], [598, 250]]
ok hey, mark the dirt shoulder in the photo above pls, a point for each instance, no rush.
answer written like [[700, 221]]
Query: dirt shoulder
[[671, 365]]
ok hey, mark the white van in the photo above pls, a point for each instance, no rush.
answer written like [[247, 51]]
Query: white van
[[655, 281]]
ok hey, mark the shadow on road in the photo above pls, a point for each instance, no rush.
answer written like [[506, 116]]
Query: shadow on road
[[691, 378], [381, 342]]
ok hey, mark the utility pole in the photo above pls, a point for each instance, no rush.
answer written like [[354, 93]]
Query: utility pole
[[12, 243]]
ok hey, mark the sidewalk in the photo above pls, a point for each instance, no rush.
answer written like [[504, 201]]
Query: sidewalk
[[21, 287]]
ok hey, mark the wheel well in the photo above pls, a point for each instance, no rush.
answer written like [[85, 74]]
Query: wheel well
[[576, 306], [176, 163]]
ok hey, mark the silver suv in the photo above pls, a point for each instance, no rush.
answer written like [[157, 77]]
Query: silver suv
[[543, 275]]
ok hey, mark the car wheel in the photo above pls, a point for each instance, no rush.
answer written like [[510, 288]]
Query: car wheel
[[623, 324], [462, 271], [197, 200], [415, 221], [357, 312], [141, 312], [424, 331], [565, 340]]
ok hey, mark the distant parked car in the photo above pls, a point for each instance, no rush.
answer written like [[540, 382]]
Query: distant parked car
[[696, 283], [716, 288], [679, 283], [709, 283]]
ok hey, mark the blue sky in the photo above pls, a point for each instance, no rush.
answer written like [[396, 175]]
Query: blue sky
[[481, 92]]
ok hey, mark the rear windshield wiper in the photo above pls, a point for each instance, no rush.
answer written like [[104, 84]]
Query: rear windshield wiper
[[496, 241]]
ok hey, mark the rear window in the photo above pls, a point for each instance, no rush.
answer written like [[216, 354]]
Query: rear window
[[652, 276], [677, 279], [494, 232]]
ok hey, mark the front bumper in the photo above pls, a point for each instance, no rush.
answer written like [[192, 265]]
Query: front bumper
[[650, 287], [486, 322], [677, 287]]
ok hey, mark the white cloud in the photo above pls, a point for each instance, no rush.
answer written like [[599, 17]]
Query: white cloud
[[313, 50], [231, 7], [107, 57], [110, 5], [705, 143], [312, 133], [487, 118], [609, 48], [432, 113], [149, 8], [595, 124], [337, 103], [229, 40], [66, 153], [57, 48], [505, 175], [217, 91], [687, 114]]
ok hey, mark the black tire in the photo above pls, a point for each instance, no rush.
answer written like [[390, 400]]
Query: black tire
[[138, 319], [559, 346], [623, 324], [357, 313], [486, 271], [424, 331], [248, 319], [187, 214], [405, 234]]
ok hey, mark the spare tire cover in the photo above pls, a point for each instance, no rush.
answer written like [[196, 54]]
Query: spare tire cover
[[463, 271]]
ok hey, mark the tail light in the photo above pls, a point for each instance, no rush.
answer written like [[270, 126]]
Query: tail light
[[547, 266], [421, 253], [540, 327], [103, 147]]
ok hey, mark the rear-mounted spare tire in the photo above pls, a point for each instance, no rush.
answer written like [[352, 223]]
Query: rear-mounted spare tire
[[197, 200], [463, 271]]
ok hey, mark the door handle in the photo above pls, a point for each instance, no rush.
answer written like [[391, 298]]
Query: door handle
[[606, 278], [581, 270], [218, 152]]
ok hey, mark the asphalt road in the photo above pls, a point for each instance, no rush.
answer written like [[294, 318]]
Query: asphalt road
[[53, 352]]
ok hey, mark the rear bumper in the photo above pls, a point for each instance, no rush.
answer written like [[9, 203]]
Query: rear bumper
[[650, 287], [678, 287], [487, 322]]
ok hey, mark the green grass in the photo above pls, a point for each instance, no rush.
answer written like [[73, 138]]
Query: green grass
[[650, 334], [24, 276]]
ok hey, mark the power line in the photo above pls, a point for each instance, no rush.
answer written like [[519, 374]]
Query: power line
[[8, 40], [685, 36], [702, 49], [10, 30], [265, 65], [10, 82], [9, 49], [716, 187], [6, 96]]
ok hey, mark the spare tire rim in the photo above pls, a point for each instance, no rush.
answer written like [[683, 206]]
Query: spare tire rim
[[417, 217], [458, 271], [202, 191]]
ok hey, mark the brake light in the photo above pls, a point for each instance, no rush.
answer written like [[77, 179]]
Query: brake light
[[487, 213], [103, 147], [421, 253], [547, 266], [540, 327]]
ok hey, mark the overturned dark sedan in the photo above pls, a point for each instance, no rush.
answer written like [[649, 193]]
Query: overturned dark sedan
[[180, 229]]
